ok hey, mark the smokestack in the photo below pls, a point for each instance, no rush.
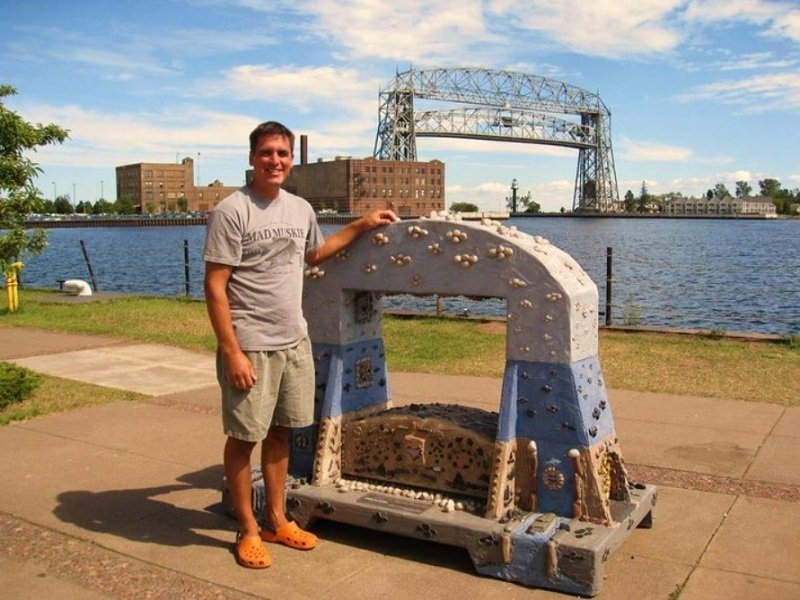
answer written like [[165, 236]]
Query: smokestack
[[303, 149]]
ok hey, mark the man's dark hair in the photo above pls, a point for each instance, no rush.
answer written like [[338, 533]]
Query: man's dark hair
[[270, 128]]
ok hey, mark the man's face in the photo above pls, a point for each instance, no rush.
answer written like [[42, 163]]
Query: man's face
[[271, 161]]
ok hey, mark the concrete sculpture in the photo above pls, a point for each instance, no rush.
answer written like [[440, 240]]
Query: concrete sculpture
[[537, 492]]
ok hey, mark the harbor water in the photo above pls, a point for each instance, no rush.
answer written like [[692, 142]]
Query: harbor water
[[722, 275]]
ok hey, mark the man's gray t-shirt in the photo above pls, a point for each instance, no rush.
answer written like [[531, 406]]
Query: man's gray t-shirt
[[265, 241]]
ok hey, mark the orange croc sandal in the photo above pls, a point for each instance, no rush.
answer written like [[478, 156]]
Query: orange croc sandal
[[290, 535], [250, 552]]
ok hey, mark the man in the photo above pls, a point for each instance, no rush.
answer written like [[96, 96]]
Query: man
[[256, 243]]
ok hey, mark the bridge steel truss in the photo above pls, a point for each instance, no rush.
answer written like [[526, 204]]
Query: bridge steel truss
[[503, 106]]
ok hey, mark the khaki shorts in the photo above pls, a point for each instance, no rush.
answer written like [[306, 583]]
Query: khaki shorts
[[282, 396]]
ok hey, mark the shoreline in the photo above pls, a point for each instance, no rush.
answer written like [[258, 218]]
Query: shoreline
[[128, 221]]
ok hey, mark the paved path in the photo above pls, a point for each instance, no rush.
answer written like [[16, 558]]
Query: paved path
[[121, 500]]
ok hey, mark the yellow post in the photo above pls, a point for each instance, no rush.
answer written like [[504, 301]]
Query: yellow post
[[12, 286]]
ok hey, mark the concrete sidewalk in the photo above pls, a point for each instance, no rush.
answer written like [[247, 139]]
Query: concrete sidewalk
[[122, 500]]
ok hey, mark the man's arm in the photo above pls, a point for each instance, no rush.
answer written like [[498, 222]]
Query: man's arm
[[348, 234], [239, 371]]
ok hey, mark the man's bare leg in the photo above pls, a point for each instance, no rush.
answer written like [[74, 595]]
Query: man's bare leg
[[275, 466], [238, 473]]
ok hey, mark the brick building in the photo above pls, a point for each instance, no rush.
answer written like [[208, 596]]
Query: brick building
[[357, 186], [159, 187]]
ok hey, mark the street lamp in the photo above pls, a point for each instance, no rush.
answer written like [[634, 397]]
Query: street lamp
[[102, 194], [55, 193]]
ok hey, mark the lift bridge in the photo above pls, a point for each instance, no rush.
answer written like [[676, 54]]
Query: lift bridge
[[503, 106]]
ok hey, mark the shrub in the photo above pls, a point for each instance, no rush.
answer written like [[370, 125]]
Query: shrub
[[16, 383]]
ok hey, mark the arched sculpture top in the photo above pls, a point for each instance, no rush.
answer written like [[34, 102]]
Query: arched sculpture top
[[551, 302]]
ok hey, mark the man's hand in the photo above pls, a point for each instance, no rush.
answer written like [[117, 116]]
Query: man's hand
[[378, 218], [239, 371], [349, 233]]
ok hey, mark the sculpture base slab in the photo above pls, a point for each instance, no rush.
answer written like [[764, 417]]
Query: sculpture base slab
[[534, 549]]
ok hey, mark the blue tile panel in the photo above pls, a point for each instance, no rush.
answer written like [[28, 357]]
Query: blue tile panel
[[555, 403], [349, 377], [560, 407]]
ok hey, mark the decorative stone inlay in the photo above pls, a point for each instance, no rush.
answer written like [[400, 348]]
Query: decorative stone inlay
[[552, 478], [416, 231], [363, 308], [456, 236], [364, 372], [435, 248], [380, 239], [465, 260], [400, 260], [314, 273], [500, 252]]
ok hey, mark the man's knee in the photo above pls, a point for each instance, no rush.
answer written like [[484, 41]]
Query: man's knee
[[279, 435]]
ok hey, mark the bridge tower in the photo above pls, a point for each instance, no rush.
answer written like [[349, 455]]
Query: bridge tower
[[503, 106]]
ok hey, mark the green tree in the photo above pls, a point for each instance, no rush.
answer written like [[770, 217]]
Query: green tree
[[770, 187], [124, 206], [463, 207], [150, 207], [630, 202], [83, 207], [183, 204], [525, 204], [18, 196], [720, 191], [63, 206], [743, 189], [102, 206], [644, 198]]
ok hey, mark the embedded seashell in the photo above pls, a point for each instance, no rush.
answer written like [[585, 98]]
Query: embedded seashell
[[343, 254], [548, 318], [380, 239], [456, 236], [465, 260], [516, 282], [400, 260], [369, 268], [416, 231], [314, 273], [435, 248], [553, 296], [526, 303], [416, 280], [500, 252]]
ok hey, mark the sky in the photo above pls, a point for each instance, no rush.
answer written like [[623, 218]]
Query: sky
[[700, 91]]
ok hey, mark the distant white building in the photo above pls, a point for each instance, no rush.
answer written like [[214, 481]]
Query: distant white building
[[758, 205]]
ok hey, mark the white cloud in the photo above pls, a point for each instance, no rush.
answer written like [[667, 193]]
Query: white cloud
[[759, 60], [648, 151], [602, 28], [756, 94], [108, 139], [780, 19], [419, 31], [301, 87]]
